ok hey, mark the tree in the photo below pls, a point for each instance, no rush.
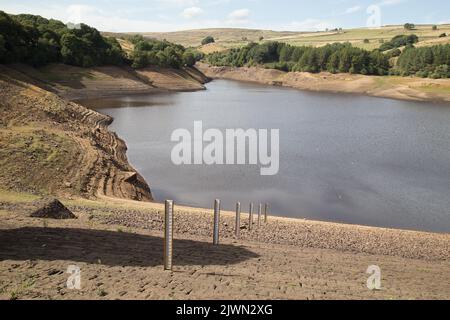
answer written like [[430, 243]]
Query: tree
[[409, 26], [399, 41], [71, 49], [261, 38], [442, 71], [332, 57], [2, 47], [394, 53], [35, 40], [189, 59], [366, 41], [207, 40], [434, 27], [426, 61], [139, 60]]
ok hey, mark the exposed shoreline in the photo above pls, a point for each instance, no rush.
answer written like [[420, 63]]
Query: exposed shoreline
[[93, 161], [400, 88], [162, 81], [118, 245], [297, 232]]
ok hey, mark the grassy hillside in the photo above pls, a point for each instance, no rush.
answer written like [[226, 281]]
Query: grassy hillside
[[229, 38], [225, 37]]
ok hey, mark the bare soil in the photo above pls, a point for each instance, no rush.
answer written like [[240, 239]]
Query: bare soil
[[118, 246], [50, 145], [401, 88]]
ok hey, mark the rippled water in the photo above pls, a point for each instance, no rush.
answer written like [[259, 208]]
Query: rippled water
[[344, 158]]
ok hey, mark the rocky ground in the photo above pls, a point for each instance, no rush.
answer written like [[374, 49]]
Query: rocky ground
[[118, 247]]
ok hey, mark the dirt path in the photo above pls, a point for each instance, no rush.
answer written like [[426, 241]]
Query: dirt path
[[118, 261]]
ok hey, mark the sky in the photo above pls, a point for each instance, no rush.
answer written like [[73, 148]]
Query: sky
[[293, 15]]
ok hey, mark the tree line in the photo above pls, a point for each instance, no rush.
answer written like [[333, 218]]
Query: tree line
[[151, 52], [433, 62], [35, 40], [38, 41], [337, 57]]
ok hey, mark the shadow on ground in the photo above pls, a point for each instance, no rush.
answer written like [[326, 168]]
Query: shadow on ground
[[111, 248]]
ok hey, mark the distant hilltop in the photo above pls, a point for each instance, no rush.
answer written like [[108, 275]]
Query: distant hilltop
[[364, 38]]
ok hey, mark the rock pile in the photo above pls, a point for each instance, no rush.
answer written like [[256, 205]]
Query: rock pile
[[53, 209]]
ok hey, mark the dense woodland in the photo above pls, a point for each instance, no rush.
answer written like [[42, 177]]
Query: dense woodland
[[432, 62], [343, 58], [150, 52], [38, 41], [332, 57]]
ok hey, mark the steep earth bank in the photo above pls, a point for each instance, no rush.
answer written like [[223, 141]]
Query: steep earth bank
[[49, 145]]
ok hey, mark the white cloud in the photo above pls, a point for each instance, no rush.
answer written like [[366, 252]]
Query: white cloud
[[192, 12], [239, 16], [352, 9], [390, 2]]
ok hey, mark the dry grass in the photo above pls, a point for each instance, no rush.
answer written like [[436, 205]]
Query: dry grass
[[16, 197], [228, 38], [127, 46]]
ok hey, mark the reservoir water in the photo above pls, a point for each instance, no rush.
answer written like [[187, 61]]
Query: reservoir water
[[343, 158]]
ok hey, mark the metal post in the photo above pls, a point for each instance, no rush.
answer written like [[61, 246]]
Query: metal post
[[250, 217], [168, 235], [266, 208], [216, 222], [259, 215], [238, 220]]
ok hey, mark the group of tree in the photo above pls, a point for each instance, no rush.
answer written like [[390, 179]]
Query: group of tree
[[433, 62], [337, 57], [38, 41], [208, 40], [399, 41], [151, 52], [409, 26]]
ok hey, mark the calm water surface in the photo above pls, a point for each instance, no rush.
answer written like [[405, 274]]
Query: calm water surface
[[343, 158]]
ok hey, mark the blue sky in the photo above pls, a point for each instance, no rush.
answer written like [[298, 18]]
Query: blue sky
[[171, 15]]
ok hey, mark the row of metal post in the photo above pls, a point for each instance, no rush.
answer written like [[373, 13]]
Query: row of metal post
[[168, 226]]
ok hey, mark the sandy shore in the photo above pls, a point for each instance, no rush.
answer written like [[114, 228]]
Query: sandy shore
[[402, 88], [118, 246]]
